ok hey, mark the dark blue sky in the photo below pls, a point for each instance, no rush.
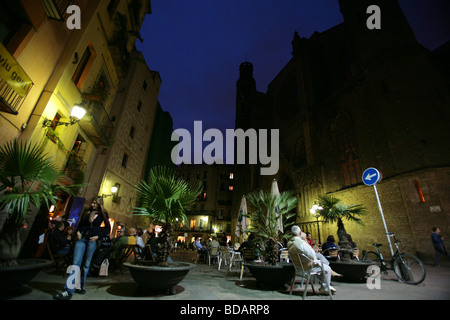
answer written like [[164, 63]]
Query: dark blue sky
[[198, 45]]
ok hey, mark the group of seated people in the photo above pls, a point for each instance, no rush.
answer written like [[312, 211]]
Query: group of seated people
[[204, 249]]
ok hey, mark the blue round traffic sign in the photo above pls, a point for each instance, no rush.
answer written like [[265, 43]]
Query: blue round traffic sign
[[371, 176]]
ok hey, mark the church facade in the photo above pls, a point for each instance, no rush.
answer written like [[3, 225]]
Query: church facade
[[353, 98]]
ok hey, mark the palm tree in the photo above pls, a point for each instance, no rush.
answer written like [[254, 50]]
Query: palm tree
[[28, 179], [264, 220], [165, 199], [334, 210]]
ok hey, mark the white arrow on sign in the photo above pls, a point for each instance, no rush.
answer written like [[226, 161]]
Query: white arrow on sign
[[370, 176]]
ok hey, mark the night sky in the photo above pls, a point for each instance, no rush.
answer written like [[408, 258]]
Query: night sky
[[198, 45]]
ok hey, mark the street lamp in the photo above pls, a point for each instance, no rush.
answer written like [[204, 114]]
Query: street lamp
[[78, 112], [114, 193], [314, 211]]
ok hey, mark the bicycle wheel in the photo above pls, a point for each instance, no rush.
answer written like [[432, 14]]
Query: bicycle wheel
[[372, 256], [409, 269]]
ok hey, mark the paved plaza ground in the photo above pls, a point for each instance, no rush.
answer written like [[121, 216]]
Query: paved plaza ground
[[205, 282]]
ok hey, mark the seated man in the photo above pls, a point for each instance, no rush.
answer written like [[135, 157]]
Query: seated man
[[58, 243], [297, 245], [117, 249]]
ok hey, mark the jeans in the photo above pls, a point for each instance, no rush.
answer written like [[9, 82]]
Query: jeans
[[83, 248]]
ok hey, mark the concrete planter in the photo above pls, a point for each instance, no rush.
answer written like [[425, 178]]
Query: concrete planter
[[353, 271], [13, 278], [159, 279], [273, 277]]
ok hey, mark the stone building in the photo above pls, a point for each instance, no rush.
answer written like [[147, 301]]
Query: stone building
[[352, 98], [67, 53], [211, 215]]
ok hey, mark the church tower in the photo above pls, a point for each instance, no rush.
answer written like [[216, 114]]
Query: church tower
[[245, 95]]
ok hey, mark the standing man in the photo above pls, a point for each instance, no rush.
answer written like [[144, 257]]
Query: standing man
[[439, 246]]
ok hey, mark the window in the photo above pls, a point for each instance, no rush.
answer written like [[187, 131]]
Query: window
[[230, 188], [124, 160], [132, 130], [347, 150], [139, 106], [144, 85], [231, 176], [84, 66]]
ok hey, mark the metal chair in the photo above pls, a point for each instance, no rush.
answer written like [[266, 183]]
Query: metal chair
[[356, 253], [224, 256], [284, 255], [236, 259], [331, 254], [247, 256], [305, 269]]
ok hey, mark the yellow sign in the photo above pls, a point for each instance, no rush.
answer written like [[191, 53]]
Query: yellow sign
[[13, 74]]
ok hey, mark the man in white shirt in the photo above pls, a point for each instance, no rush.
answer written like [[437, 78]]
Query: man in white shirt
[[296, 244]]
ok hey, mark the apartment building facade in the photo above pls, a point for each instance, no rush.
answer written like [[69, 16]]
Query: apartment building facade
[[61, 54]]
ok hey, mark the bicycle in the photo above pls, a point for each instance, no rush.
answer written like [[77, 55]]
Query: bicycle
[[407, 267]]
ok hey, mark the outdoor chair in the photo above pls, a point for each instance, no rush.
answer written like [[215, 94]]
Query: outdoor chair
[[247, 257], [117, 261], [356, 253], [304, 268], [60, 261], [148, 254], [331, 254], [236, 259], [224, 256], [284, 255]]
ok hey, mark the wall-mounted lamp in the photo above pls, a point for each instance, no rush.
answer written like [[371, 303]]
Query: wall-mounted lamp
[[114, 193], [78, 111]]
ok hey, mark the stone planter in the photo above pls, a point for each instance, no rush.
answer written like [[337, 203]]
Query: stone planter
[[273, 277], [159, 279], [353, 271], [13, 278]]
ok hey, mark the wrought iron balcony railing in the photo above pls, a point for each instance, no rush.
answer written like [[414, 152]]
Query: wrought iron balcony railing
[[56, 9]]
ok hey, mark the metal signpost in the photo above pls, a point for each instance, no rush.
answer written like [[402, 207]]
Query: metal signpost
[[371, 177]]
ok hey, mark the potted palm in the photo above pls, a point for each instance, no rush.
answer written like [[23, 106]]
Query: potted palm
[[28, 179], [270, 215], [333, 210], [165, 199]]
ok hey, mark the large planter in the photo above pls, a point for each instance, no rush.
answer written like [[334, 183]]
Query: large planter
[[13, 278], [273, 277], [353, 271], [156, 278]]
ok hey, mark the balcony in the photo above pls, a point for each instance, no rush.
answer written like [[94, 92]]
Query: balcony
[[97, 124], [56, 9], [118, 48], [75, 168]]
